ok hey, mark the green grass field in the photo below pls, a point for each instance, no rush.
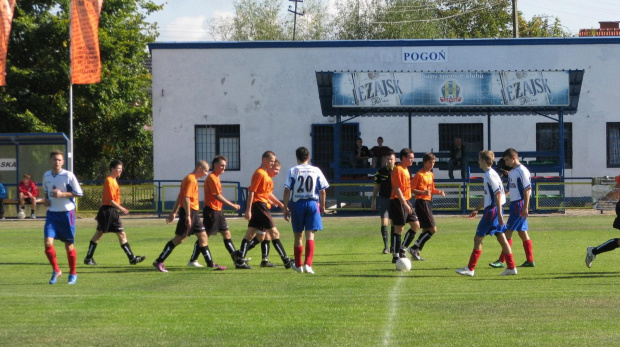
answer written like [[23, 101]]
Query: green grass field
[[356, 297]]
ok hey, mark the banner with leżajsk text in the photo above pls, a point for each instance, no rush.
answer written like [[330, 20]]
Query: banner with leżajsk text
[[85, 54], [6, 19]]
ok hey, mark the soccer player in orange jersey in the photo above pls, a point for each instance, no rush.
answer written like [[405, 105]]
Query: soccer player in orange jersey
[[423, 188], [108, 218], [401, 209], [260, 198], [213, 216], [189, 222]]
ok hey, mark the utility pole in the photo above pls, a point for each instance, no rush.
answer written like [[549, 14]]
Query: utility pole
[[295, 13], [515, 20]]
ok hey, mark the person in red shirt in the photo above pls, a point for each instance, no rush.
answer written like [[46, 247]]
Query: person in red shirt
[[27, 191], [260, 198], [108, 218], [423, 188]]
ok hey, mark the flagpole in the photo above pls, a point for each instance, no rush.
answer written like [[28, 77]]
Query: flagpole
[[70, 154]]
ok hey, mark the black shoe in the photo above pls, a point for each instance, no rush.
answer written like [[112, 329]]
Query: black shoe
[[137, 259], [90, 261], [394, 260], [236, 257], [386, 251], [288, 262], [266, 263], [243, 266]]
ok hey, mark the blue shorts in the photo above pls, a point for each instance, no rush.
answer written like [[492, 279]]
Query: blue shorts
[[305, 215], [489, 223], [60, 226], [515, 221]]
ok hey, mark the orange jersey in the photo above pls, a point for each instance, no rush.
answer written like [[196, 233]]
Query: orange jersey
[[423, 181], [111, 191], [401, 179], [189, 188], [262, 186], [213, 187]]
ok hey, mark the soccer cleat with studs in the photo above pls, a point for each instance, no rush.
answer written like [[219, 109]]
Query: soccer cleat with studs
[[509, 272], [160, 266], [72, 279], [137, 259], [590, 257], [194, 264], [528, 264], [266, 263], [465, 271], [216, 267], [90, 261], [308, 269], [299, 269], [497, 264], [243, 266], [55, 276], [288, 262]]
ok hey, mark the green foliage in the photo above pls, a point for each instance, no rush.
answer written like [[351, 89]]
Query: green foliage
[[540, 26], [111, 118], [356, 298]]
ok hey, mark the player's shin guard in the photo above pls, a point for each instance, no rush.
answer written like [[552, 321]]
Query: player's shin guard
[[91, 250], [206, 253], [50, 252], [502, 256], [195, 252], [253, 243], [606, 247], [299, 251], [396, 243], [309, 252], [125, 246], [510, 261], [529, 251], [384, 236], [264, 247], [392, 239], [230, 246], [168, 248], [244, 247], [473, 259], [423, 239], [409, 236], [72, 258], [279, 248]]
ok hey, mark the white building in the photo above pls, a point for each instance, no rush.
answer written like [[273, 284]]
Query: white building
[[243, 98]]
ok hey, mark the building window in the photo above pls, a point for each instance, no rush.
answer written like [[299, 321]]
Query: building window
[[471, 134], [212, 140], [613, 145], [548, 139]]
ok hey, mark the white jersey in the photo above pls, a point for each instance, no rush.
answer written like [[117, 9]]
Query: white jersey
[[492, 184], [305, 181], [65, 181], [518, 182]]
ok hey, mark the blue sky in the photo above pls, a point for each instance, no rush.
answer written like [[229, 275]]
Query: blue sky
[[184, 20]]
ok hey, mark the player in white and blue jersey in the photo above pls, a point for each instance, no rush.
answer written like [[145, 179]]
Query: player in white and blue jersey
[[492, 221], [305, 190], [61, 188], [520, 189]]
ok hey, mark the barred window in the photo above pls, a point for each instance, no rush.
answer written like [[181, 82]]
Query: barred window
[[548, 139], [471, 134], [613, 145], [212, 140]]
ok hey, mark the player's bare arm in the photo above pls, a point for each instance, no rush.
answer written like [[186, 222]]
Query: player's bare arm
[[222, 199], [500, 212], [375, 191], [248, 210], [526, 206], [286, 197], [401, 197]]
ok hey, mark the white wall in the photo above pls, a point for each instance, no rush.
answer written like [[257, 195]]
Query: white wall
[[272, 93]]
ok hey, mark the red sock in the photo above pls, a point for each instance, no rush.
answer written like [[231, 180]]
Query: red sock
[[72, 257], [510, 261], [529, 252], [50, 252], [502, 256], [309, 252], [298, 252], [473, 259]]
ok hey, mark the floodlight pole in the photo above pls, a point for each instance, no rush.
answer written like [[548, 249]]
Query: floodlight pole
[[295, 14], [515, 20]]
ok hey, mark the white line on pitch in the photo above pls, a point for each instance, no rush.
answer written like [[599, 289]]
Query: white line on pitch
[[393, 307]]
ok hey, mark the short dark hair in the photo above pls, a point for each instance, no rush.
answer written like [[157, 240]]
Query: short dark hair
[[390, 152], [56, 152], [379, 138], [510, 152], [405, 152], [218, 159], [114, 163], [302, 154], [428, 157], [268, 154], [359, 138]]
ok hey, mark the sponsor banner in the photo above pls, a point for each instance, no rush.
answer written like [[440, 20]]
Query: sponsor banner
[[424, 54], [85, 55], [6, 19], [458, 89], [8, 164]]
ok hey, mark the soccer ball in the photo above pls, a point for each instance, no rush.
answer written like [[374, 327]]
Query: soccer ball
[[403, 264], [21, 214]]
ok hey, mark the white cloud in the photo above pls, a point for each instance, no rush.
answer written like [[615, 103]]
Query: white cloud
[[185, 29]]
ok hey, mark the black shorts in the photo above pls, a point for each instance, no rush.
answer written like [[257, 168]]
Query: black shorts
[[109, 220], [398, 213], [182, 226], [261, 217], [214, 221], [29, 200], [425, 213]]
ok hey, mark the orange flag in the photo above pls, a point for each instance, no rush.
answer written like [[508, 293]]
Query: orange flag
[[6, 18], [85, 56]]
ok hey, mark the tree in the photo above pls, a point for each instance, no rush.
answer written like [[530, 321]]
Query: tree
[[110, 118], [539, 26], [476, 19]]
